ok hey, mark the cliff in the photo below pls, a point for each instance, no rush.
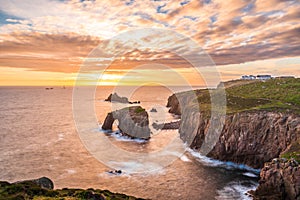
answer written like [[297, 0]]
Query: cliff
[[279, 179], [250, 138], [133, 122], [262, 120]]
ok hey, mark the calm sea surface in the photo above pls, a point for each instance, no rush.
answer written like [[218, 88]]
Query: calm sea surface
[[38, 138]]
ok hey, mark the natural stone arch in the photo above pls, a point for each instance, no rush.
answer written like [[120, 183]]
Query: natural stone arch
[[133, 122]]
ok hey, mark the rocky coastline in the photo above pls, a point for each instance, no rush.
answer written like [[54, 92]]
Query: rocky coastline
[[251, 136], [279, 179]]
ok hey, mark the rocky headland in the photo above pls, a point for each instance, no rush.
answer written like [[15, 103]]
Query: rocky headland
[[262, 122]]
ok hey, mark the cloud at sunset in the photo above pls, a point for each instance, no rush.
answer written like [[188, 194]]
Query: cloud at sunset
[[56, 36]]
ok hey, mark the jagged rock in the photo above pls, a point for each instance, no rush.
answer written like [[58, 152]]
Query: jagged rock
[[279, 179], [116, 98], [250, 138], [174, 105], [133, 122]]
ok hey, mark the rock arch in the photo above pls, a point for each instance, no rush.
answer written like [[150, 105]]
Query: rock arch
[[133, 122]]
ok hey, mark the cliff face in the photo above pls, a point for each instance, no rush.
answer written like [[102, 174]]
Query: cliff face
[[279, 179], [251, 138], [133, 122]]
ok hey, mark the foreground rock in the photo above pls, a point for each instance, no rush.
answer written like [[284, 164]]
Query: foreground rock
[[116, 98], [133, 122], [38, 189], [43, 182], [279, 179]]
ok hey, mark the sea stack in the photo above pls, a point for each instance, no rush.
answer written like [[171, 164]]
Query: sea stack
[[133, 122]]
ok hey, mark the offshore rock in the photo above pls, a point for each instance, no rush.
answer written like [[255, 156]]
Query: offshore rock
[[116, 98], [133, 122]]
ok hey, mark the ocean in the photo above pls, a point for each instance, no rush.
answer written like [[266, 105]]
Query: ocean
[[38, 137]]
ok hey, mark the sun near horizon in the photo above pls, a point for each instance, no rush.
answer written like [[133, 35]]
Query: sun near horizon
[[46, 43]]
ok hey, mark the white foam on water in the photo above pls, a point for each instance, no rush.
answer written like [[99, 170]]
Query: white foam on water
[[184, 158], [236, 190], [60, 137], [119, 137], [249, 174], [216, 163], [71, 171]]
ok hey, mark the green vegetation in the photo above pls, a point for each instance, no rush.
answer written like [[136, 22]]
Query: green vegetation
[[293, 152], [279, 94], [275, 94], [139, 110], [30, 190]]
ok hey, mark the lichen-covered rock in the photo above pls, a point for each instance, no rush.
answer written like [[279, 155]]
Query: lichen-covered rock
[[279, 179], [133, 122]]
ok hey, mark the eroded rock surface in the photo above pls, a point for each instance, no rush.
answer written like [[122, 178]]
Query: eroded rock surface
[[279, 179], [133, 122]]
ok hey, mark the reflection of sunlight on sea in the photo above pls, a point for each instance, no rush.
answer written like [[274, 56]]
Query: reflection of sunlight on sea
[[38, 138]]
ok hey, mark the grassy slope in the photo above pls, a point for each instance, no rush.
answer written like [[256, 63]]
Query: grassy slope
[[29, 190], [279, 95]]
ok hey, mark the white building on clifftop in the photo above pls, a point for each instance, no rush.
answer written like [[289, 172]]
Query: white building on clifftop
[[259, 77]]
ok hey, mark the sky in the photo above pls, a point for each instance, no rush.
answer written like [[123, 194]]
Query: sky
[[47, 42]]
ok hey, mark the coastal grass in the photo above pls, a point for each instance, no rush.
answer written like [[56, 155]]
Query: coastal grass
[[139, 110], [30, 190], [278, 94], [293, 152]]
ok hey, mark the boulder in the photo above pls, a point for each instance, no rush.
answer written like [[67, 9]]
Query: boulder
[[43, 182]]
